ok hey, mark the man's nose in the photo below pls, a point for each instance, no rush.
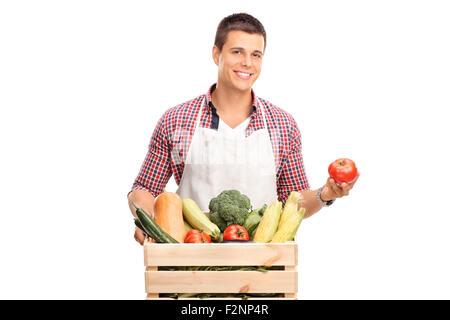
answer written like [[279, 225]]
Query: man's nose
[[246, 60]]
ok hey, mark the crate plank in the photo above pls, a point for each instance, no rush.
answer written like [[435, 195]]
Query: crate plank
[[220, 281], [220, 254], [152, 295], [291, 295]]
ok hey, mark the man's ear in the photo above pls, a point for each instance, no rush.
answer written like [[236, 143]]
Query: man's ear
[[216, 54]]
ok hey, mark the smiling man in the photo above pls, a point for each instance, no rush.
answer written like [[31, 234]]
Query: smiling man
[[229, 138]]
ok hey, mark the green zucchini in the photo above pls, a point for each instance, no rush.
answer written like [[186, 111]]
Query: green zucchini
[[139, 225], [152, 229]]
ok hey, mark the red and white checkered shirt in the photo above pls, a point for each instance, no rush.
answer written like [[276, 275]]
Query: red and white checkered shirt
[[173, 133]]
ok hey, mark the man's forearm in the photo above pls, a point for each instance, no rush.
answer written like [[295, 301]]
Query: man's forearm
[[309, 202], [143, 199]]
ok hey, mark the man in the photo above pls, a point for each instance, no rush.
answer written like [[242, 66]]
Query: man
[[229, 138]]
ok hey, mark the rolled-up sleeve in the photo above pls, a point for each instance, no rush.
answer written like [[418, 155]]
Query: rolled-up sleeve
[[156, 169], [293, 175]]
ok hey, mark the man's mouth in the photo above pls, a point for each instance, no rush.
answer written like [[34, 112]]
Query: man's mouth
[[243, 75]]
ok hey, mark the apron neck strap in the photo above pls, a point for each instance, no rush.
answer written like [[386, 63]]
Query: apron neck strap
[[199, 115], [261, 106], [258, 101]]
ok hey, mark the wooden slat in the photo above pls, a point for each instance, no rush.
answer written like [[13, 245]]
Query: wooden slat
[[291, 295], [220, 254], [152, 295], [220, 281]]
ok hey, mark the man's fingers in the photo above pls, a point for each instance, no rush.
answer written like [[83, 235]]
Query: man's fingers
[[348, 186], [354, 180], [139, 236], [339, 190], [335, 188], [345, 189]]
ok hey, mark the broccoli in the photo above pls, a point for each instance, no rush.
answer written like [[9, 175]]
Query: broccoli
[[231, 206], [216, 219]]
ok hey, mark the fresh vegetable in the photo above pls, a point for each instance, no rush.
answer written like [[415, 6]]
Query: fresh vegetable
[[231, 206], [302, 213], [198, 220], [235, 232], [206, 214], [291, 206], [243, 296], [287, 230], [220, 268], [195, 236], [269, 223], [343, 170], [217, 220], [151, 228], [169, 215], [187, 226], [139, 225], [253, 219]]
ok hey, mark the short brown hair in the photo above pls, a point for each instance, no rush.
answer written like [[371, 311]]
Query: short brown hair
[[238, 21]]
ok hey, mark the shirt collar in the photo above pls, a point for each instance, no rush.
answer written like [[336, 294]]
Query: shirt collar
[[212, 108]]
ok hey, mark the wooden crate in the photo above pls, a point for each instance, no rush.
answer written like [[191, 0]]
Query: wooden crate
[[280, 256]]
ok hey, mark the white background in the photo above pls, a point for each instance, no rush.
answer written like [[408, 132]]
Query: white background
[[82, 84]]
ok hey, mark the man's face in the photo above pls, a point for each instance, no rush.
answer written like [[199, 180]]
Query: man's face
[[240, 60]]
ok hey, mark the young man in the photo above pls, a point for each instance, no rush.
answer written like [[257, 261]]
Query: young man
[[229, 138]]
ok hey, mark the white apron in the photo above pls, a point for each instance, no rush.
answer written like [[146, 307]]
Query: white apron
[[216, 162]]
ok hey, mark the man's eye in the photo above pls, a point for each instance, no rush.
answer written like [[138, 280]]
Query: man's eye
[[236, 51], [257, 55]]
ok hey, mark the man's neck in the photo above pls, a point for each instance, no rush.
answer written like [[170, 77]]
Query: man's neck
[[228, 101]]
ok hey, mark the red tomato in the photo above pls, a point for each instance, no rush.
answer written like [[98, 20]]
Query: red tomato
[[235, 232], [343, 170], [195, 236]]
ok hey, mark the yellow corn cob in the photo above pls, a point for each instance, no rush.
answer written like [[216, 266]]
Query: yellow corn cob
[[291, 206], [287, 230], [269, 223]]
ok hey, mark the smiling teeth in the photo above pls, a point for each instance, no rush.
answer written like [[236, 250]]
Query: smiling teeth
[[244, 74]]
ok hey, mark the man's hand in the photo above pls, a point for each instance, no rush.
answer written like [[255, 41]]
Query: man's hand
[[144, 200], [333, 190], [139, 236]]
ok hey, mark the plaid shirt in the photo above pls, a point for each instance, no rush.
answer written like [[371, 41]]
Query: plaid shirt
[[173, 133]]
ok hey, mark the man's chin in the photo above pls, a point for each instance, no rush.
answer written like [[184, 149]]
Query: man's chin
[[243, 87], [237, 85]]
